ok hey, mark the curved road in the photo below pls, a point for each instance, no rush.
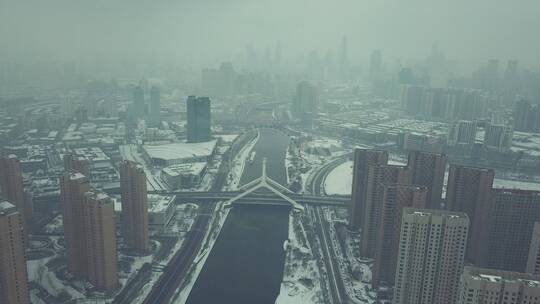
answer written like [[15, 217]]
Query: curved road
[[316, 185]]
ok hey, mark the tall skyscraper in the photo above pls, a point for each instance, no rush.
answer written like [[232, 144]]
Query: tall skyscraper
[[430, 259], [100, 236], [155, 107], [198, 119], [11, 184], [377, 177], [344, 57], [395, 198], [487, 286], [73, 186], [13, 276], [75, 163], [139, 107], [89, 232], [533, 260], [362, 159], [134, 206], [468, 191], [305, 102], [427, 169], [375, 65], [512, 215]]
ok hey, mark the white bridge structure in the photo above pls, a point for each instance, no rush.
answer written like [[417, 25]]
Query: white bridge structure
[[265, 182]]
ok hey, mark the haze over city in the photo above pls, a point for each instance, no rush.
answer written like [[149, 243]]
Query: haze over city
[[269, 152], [207, 32]]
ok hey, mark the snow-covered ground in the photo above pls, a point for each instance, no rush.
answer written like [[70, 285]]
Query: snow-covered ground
[[55, 226], [301, 279], [182, 223], [39, 272], [46, 277], [358, 288], [239, 162], [302, 163], [339, 180]]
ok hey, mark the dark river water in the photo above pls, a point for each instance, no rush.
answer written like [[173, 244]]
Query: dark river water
[[246, 263]]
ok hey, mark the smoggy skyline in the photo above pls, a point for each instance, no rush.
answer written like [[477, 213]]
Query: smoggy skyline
[[206, 32]]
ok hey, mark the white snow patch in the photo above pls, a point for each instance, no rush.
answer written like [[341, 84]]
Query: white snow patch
[[339, 180], [239, 163]]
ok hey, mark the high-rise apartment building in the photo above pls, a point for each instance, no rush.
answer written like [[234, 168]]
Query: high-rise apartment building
[[75, 163], [491, 286], [395, 198], [73, 186], [513, 213], [305, 102], [198, 119], [363, 158], [89, 232], [13, 275], [100, 237], [427, 169], [377, 177], [411, 99], [433, 103], [444, 104], [498, 137], [462, 132], [155, 107], [533, 260], [134, 205], [12, 187], [430, 258], [525, 116], [468, 191]]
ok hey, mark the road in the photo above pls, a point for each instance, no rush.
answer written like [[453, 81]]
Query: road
[[337, 289], [175, 271], [316, 186], [164, 289]]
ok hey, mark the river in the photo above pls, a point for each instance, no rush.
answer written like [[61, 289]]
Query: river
[[246, 263]]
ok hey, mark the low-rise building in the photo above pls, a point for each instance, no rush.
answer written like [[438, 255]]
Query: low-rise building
[[160, 211], [186, 175], [490, 286]]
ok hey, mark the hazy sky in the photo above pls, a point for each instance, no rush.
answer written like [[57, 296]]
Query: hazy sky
[[465, 29]]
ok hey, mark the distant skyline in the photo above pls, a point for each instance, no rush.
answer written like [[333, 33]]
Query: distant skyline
[[204, 32]]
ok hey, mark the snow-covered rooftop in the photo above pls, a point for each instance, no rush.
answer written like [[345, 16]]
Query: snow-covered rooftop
[[159, 203], [5, 206], [180, 150], [186, 168], [76, 175]]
